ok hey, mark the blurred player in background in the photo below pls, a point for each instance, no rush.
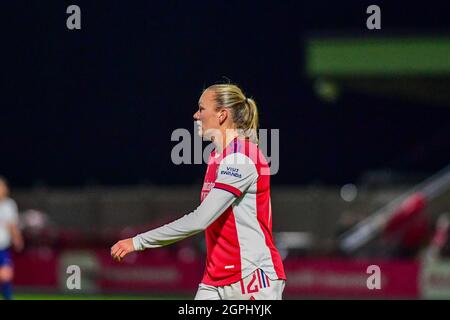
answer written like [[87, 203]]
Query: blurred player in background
[[235, 210], [10, 235]]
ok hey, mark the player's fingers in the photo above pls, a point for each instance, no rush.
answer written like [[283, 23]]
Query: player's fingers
[[114, 249], [123, 254], [116, 254]]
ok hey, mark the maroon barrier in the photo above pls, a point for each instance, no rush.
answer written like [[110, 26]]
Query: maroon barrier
[[165, 271], [36, 268], [346, 278], [153, 270]]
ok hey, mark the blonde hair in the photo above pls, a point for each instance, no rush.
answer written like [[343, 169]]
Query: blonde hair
[[244, 110]]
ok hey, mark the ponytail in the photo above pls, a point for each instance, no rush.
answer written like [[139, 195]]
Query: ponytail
[[250, 120], [245, 111]]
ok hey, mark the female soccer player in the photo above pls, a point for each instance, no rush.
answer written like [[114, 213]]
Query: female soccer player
[[9, 234], [235, 210]]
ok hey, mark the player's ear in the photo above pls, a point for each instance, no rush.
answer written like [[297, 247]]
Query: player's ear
[[223, 115]]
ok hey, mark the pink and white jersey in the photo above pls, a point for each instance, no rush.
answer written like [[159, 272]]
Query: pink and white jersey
[[240, 240]]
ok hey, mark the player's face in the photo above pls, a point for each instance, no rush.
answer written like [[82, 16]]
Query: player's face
[[207, 116], [3, 190]]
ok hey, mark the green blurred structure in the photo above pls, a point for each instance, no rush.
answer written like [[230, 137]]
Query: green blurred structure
[[414, 68]]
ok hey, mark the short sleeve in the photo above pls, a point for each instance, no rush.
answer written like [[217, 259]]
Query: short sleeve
[[12, 215], [236, 174]]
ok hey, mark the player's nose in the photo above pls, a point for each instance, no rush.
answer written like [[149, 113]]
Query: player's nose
[[196, 116]]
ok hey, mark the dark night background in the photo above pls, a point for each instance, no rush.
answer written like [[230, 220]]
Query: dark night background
[[99, 105]]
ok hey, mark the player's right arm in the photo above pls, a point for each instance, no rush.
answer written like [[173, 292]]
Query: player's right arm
[[16, 236], [13, 225], [215, 203], [235, 174]]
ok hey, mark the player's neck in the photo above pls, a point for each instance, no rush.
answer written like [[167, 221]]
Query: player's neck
[[228, 135]]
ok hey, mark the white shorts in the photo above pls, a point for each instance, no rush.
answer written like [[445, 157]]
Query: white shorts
[[256, 286]]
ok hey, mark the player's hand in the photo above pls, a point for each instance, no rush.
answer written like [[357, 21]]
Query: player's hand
[[18, 244], [121, 249]]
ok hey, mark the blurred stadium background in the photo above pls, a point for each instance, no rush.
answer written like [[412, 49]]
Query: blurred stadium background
[[364, 119]]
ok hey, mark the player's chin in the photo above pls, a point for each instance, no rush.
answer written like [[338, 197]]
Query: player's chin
[[207, 138]]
